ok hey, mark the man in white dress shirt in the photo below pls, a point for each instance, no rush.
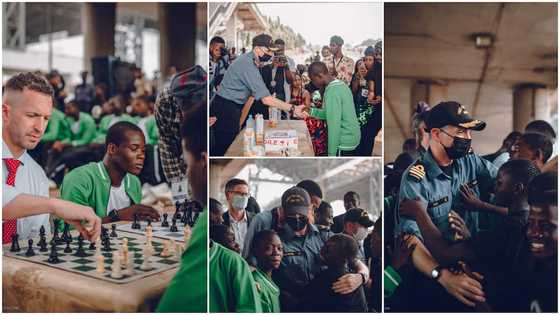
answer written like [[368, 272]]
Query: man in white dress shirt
[[27, 103]]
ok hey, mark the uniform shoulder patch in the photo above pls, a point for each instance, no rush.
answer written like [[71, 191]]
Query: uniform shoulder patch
[[417, 172]]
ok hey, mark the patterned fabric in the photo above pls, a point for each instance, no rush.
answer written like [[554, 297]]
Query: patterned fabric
[[187, 89], [9, 227], [317, 130], [342, 68]]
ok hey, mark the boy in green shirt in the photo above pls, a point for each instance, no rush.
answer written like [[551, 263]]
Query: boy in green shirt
[[116, 108], [57, 129], [111, 187], [268, 250], [343, 129], [187, 292]]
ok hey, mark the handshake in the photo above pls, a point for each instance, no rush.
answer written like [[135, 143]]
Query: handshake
[[299, 112]]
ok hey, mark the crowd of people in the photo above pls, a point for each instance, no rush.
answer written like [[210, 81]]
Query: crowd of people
[[107, 189], [291, 258], [339, 98], [466, 232]]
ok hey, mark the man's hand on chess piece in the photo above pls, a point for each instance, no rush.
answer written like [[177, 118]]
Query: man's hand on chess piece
[[144, 212], [299, 112], [79, 216], [411, 208]]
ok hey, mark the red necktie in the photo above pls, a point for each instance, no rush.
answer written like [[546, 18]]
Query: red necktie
[[9, 227]]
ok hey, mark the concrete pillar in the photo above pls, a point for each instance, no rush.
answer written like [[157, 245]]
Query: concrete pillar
[[177, 27], [430, 92], [530, 102], [215, 180], [98, 27]]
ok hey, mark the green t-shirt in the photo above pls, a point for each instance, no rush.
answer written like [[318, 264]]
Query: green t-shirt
[[57, 128], [80, 132], [232, 287], [340, 113], [268, 292], [187, 292]]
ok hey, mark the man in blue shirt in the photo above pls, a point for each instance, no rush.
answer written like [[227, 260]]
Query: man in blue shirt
[[241, 81]]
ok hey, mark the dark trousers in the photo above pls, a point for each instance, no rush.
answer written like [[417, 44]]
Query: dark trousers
[[41, 153], [226, 127], [369, 131], [69, 159], [152, 173]]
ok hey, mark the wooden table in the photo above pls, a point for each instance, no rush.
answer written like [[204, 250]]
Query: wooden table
[[304, 146], [31, 287]]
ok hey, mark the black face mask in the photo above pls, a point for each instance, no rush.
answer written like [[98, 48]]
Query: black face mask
[[459, 148], [297, 223]]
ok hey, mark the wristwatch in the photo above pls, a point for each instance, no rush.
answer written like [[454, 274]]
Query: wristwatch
[[114, 215], [363, 278], [436, 273]]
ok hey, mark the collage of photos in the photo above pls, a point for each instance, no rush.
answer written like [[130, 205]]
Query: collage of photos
[[279, 157]]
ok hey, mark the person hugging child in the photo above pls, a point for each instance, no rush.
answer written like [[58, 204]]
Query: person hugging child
[[268, 250], [339, 252]]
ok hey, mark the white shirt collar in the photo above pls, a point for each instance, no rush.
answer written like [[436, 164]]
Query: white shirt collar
[[244, 219]]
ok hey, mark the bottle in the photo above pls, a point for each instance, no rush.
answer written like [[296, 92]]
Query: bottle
[[249, 135], [259, 129]]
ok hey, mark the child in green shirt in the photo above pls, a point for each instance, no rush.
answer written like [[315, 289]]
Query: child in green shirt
[[268, 250], [338, 110], [111, 187]]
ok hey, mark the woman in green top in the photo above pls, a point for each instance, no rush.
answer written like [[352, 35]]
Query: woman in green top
[[268, 250]]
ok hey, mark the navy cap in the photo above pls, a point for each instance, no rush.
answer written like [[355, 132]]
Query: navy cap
[[359, 216], [452, 113], [296, 200]]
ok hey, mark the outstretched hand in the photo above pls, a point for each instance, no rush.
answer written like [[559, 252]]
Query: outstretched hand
[[402, 253], [458, 225], [470, 197], [299, 112]]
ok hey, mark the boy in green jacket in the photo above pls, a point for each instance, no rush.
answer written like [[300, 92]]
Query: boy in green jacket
[[116, 109], [111, 187], [57, 129], [268, 250], [343, 129]]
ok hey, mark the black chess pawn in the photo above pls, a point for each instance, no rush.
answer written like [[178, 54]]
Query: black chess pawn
[[42, 240], [66, 236], [165, 223], [135, 224], [15, 243], [67, 249], [104, 232], [173, 227], [56, 239], [114, 230], [30, 252], [53, 256], [80, 252], [106, 245], [42, 231]]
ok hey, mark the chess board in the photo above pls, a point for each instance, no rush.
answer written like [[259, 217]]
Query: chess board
[[87, 265], [157, 229]]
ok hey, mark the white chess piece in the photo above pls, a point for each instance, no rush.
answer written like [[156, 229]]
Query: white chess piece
[[116, 272], [129, 271], [100, 263], [166, 252], [124, 251], [146, 265], [178, 251]]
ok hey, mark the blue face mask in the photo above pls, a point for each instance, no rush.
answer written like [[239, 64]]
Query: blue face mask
[[239, 202]]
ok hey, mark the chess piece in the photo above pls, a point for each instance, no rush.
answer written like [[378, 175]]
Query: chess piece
[[146, 265], [165, 223], [178, 251], [136, 224], [129, 271], [30, 252], [92, 246], [42, 231], [66, 236], [166, 252], [106, 244], [104, 232], [149, 223], [53, 256], [43, 245], [173, 227], [56, 238], [100, 263], [80, 252], [15, 243], [68, 249], [124, 251], [116, 266], [114, 230]]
